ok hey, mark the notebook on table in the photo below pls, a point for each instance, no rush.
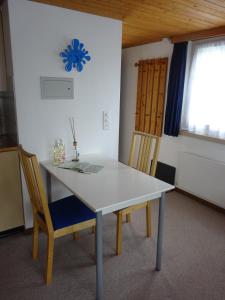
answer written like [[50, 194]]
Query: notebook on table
[[82, 167]]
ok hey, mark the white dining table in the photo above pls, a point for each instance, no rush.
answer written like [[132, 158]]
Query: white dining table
[[114, 187]]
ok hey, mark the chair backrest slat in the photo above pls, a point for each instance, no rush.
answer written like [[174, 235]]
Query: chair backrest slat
[[144, 152], [32, 188], [155, 156], [35, 186], [140, 153], [147, 154], [132, 150]]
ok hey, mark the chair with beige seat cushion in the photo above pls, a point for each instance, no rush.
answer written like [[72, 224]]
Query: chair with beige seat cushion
[[143, 157], [59, 218]]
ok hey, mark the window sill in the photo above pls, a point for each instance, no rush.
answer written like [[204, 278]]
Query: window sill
[[202, 137]]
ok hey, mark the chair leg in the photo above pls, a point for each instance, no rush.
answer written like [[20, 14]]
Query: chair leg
[[49, 259], [35, 239], [93, 229], [148, 220], [76, 235], [128, 218], [119, 233]]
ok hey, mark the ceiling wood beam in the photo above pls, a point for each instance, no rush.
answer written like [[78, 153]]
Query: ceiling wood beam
[[199, 35], [91, 7], [140, 43], [147, 21]]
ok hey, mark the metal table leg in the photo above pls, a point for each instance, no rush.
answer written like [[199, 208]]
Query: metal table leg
[[160, 232], [99, 257]]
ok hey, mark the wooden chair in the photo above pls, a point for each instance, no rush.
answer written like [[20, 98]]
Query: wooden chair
[[143, 157], [65, 216]]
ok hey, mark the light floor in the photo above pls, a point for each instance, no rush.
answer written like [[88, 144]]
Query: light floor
[[193, 260]]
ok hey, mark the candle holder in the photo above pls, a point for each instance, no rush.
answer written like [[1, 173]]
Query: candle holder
[[76, 153]]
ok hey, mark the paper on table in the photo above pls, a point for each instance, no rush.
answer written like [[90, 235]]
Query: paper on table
[[83, 167]]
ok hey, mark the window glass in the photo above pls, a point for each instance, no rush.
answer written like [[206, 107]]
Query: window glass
[[204, 106]]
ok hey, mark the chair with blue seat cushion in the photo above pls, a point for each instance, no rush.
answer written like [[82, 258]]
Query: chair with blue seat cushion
[[69, 211], [59, 218]]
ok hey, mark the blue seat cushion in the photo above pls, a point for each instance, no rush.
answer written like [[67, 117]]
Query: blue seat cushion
[[69, 211]]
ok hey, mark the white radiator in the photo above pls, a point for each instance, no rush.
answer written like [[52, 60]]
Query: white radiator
[[202, 177]]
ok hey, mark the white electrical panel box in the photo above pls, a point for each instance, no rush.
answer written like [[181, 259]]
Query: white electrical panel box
[[56, 88]]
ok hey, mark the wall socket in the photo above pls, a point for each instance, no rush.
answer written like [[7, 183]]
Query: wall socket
[[106, 120]]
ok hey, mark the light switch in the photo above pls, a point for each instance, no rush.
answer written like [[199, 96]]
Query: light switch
[[106, 120]]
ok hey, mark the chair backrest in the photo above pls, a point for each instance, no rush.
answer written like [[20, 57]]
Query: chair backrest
[[144, 152], [35, 186]]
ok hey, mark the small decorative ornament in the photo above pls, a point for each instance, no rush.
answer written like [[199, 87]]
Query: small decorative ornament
[[58, 152], [75, 56]]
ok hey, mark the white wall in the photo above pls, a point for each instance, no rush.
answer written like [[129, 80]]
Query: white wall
[[129, 88], [38, 33], [170, 146]]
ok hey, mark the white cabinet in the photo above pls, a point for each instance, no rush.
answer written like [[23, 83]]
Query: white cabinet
[[11, 207], [3, 85]]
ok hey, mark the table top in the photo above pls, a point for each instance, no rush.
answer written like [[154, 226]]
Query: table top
[[115, 187]]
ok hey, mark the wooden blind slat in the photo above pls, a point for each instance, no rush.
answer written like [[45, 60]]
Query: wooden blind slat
[[138, 105], [150, 95], [160, 109], [143, 96], [155, 97]]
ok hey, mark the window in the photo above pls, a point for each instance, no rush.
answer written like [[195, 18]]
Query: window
[[204, 105]]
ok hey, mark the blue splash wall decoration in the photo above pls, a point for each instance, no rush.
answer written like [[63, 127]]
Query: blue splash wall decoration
[[75, 56]]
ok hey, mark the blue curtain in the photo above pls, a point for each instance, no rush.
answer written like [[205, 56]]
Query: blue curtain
[[175, 89]]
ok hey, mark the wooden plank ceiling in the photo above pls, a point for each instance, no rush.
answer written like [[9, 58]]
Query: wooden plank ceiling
[[147, 21]]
